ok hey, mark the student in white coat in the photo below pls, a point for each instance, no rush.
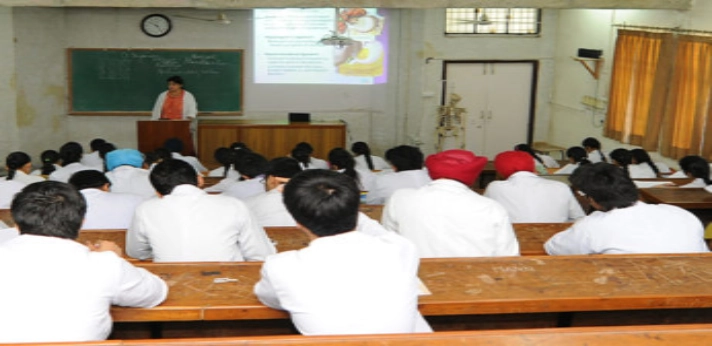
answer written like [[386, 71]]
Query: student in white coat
[[302, 152], [642, 166], [593, 150], [8, 190], [105, 209], [93, 159], [345, 281], [622, 158], [408, 172], [19, 165], [341, 161], [577, 157], [622, 223], [227, 158], [188, 225], [175, 146], [71, 154], [126, 174], [527, 197], [50, 159], [698, 168], [268, 207], [365, 161], [252, 169], [541, 162], [62, 290], [446, 218]]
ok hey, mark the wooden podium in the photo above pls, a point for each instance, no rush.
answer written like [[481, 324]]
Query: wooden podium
[[154, 133]]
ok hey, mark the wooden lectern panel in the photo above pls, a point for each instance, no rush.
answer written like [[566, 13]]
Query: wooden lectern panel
[[152, 134]]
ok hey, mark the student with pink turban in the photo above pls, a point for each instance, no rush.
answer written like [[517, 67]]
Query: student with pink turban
[[527, 197], [445, 218]]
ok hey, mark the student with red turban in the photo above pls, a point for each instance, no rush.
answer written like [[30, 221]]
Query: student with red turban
[[528, 197], [445, 218]]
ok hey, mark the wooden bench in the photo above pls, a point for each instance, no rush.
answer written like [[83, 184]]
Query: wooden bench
[[669, 335], [374, 211], [532, 236]]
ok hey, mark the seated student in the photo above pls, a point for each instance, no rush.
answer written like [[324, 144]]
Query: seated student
[[698, 168], [446, 218], [341, 161], [622, 158], [126, 174], [407, 163], [157, 156], [105, 210], [541, 162], [237, 156], [228, 159], [593, 150], [105, 149], [268, 207], [622, 223], [577, 157], [93, 159], [70, 153], [528, 197], [252, 168], [643, 166], [188, 225], [18, 165], [302, 152], [8, 189], [364, 159], [62, 290], [175, 146], [49, 159], [345, 281]]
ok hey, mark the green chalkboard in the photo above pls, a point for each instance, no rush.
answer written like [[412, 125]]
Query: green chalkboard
[[129, 80]]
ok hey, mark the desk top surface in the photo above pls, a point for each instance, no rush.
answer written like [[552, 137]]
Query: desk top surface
[[464, 286], [684, 198]]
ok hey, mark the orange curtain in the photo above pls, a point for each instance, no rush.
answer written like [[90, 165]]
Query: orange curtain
[[638, 85], [687, 117]]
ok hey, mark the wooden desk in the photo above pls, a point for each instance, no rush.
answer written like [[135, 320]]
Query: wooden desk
[[467, 286], [6, 217], [374, 211], [532, 236], [546, 148], [684, 198], [269, 138]]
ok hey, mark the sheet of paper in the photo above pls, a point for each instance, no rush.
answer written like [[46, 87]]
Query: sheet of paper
[[422, 289], [649, 184]]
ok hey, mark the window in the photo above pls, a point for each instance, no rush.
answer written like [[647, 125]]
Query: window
[[511, 21]]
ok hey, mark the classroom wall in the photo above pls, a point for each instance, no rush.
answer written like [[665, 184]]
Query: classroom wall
[[571, 121], [8, 130]]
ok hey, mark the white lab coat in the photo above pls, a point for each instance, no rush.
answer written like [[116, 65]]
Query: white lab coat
[[38, 172], [244, 189], [61, 291], [698, 183], [595, 156], [220, 172], [315, 163], [8, 190], [25, 178], [379, 164], [189, 225], [109, 210], [63, 174], [641, 171], [129, 179], [641, 228], [269, 209], [549, 161], [351, 283], [386, 184], [529, 198], [93, 160], [193, 161], [447, 219], [568, 169], [190, 107]]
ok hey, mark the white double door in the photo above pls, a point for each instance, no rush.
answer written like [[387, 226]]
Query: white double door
[[498, 99]]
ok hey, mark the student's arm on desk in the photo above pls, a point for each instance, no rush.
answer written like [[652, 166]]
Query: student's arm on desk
[[388, 219], [575, 210], [137, 287], [265, 290], [137, 245], [252, 240], [572, 241]]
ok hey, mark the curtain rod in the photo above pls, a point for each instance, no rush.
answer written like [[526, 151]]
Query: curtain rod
[[676, 30]]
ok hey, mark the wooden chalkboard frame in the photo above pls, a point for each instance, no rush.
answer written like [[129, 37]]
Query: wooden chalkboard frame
[[142, 113]]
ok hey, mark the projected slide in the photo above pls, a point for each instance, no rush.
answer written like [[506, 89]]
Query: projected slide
[[287, 48]]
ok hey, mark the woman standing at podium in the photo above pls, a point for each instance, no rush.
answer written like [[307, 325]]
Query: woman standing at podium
[[175, 103]]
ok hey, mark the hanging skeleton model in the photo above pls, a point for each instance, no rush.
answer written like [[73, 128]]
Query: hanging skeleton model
[[451, 122]]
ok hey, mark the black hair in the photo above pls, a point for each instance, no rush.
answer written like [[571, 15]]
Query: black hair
[[88, 179], [306, 146], [342, 159], [171, 173], [527, 149], [176, 79], [593, 143], [227, 158], [325, 202], [606, 184], [96, 143], [641, 156], [301, 155], [49, 158], [174, 145], [70, 152], [106, 148], [49, 208], [361, 148], [697, 167], [283, 167], [623, 158], [163, 154], [16, 160], [578, 154], [150, 158], [405, 158], [252, 165], [239, 146]]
